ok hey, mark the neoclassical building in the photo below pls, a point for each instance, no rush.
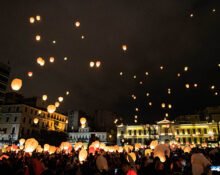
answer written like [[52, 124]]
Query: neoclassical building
[[20, 120], [189, 132]]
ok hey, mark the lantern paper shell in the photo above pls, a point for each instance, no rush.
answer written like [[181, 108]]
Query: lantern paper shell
[[98, 63], [30, 145], [153, 144], [131, 157], [66, 146], [91, 64], [137, 146], [38, 17], [30, 74], [52, 149], [16, 84], [32, 20], [51, 109], [83, 155], [21, 141], [78, 145], [83, 121], [187, 149], [39, 149], [57, 104], [124, 47], [77, 23], [91, 150], [148, 152], [44, 97], [160, 151], [52, 59], [40, 61], [60, 99], [96, 144], [36, 120]]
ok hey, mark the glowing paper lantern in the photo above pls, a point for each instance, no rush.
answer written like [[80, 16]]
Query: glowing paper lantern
[[82, 37], [187, 149], [30, 74], [160, 151], [66, 146], [153, 144], [16, 84], [51, 109], [120, 149], [40, 61], [67, 92], [39, 149], [21, 141], [83, 155], [163, 105], [60, 99], [131, 157], [91, 64], [148, 152], [102, 146], [91, 150], [30, 145], [32, 20], [46, 147], [83, 121], [38, 18], [52, 149], [98, 63], [52, 59], [77, 23], [44, 97], [65, 58], [57, 104], [137, 146], [38, 37], [36, 120], [83, 126], [78, 145], [124, 47], [187, 86], [96, 144]]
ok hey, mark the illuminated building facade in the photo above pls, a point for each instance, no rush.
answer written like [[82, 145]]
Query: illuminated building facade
[[165, 130], [136, 133], [20, 120]]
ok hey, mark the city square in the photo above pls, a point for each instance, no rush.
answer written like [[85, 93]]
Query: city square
[[110, 87]]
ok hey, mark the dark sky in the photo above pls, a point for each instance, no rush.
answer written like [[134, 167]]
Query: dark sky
[[156, 33]]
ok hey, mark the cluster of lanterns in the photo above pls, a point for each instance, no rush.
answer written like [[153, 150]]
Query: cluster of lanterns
[[96, 64], [32, 19]]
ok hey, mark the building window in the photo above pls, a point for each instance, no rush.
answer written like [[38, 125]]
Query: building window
[[214, 130], [177, 131], [17, 109], [13, 130], [145, 132], [7, 119], [189, 140], [195, 140], [139, 132], [29, 121], [188, 131], [9, 109], [24, 119], [199, 131], [205, 131], [15, 119], [135, 132], [194, 131], [200, 139], [184, 140], [129, 132], [31, 111], [183, 132], [25, 109]]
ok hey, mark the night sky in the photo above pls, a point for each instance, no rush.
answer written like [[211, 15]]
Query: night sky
[[157, 33]]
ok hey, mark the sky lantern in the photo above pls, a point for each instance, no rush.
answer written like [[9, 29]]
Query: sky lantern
[[91, 64], [83, 121], [21, 141], [60, 99], [77, 24], [178, 74], [163, 105], [146, 73], [78, 145], [137, 146], [57, 104], [147, 94], [51, 109], [186, 68], [191, 15], [66, 146], [52, 149], [124, 47], [169, 106], [44, 97], [150, 103], [187, 149], [40, 61], [161, 67], [147, 152], [65, 58], [153, 144], [52, 59], [46, 147], [30, 145], [16, 84], [187, 86], [134, 76], [121, 73], [36, 120], [30, 74], [82, 37], [98, 63], [67, 92], [213, 87], [54, 42], [160, 151], [83, 155], [38, 37], [38, 17], [131, 157], [32, 20]]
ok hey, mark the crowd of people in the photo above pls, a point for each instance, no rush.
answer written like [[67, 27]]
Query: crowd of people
[[197, 162]]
